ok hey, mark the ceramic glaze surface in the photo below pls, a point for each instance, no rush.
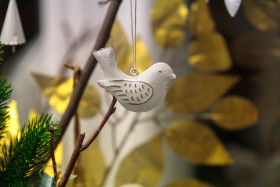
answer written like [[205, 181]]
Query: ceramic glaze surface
[[138, 93]]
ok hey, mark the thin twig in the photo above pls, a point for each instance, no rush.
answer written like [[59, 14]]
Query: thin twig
[[119, 149], [102, 38], [79, 147], [73, 160], [78, 166], [110, 111], [51, 129]]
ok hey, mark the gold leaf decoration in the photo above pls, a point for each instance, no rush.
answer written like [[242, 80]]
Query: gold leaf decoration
[[201, 21], [196, 92], [188, 183], [58, 92], [94, 166], [209, 53], [123, 51], [143, 165], [264, 15], [13, 125], [119, 42], [143, 59], [255, 50], [234, 113], [169, 19], [197, 143], [90, 103]]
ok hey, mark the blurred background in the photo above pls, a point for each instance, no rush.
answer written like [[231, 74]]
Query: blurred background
[[219, 123]]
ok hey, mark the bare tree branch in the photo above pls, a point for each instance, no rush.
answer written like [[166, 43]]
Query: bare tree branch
[[101, 41]]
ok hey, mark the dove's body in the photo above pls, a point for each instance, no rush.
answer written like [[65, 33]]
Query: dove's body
[[138, 93]]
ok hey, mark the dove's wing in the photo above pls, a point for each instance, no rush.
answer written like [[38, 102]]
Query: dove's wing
[[126, 91]]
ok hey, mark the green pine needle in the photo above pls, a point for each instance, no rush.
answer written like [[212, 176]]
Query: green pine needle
[[23, 159], [5, 93], [1, 52]]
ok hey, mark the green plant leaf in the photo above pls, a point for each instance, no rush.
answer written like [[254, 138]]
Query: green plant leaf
[[27, 154], [5, 94]]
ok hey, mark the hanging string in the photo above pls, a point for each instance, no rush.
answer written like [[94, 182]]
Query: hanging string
[[133, 71]]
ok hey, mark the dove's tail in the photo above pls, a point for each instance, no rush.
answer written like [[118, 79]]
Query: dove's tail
[[107, 61]]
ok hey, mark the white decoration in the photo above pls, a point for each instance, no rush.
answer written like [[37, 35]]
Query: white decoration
[[232, 6], [12, 32], [139, 93]]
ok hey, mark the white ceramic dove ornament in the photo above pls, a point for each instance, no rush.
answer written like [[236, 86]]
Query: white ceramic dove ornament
[[139, 93]]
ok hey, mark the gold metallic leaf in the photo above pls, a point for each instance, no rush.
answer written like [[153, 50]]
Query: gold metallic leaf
[[94, 166], [119, 42], [209, 53], [169, 19], [234, 113], [143, 59], [197, 143], [58, 91], [255, 50], [90, 103], [196, 92], [123, 51], [201, 20], [143, 165], [188, 183], [264, 15]]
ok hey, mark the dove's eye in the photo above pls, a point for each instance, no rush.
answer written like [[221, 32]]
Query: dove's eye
[[159, 71]]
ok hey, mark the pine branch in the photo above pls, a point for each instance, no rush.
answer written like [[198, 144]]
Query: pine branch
[[5, 93], [27, 155], [1, 52]]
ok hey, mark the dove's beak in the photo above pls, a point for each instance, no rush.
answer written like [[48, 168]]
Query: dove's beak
[[173, 76]]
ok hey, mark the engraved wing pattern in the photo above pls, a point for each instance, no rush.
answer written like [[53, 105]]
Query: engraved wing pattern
[[126, 91]]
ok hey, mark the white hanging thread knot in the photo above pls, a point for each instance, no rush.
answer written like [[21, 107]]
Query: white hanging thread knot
[[133, 71]]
